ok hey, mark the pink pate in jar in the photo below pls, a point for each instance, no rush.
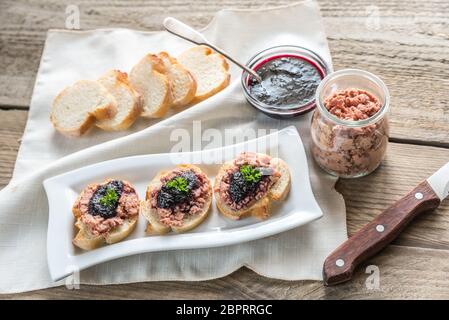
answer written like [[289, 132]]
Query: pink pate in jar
[[349, 128]]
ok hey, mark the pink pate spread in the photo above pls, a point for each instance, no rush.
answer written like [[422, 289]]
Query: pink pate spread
[[349, 151]]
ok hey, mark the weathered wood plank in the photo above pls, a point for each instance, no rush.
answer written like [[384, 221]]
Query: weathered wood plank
[[404, 167], [11, 130], [404, 273], [407, 46]]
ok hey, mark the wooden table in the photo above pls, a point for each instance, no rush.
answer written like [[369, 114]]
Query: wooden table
[[408, 46]]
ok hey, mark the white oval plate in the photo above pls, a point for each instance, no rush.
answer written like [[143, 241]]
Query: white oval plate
[[299, 208]]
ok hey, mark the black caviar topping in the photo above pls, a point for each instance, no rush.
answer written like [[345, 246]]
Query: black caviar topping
[[240, 187], [177, 190], [104, 201]]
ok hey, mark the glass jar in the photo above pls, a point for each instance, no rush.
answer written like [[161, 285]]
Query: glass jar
[[350, 148], [308, 56]]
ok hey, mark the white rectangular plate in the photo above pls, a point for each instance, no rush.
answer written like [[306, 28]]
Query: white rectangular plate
[[299, 208]]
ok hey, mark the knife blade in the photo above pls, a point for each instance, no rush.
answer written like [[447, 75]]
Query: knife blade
[[340, 264], [439, 181]]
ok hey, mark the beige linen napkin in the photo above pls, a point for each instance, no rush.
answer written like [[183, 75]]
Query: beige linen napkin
[[70, 56]]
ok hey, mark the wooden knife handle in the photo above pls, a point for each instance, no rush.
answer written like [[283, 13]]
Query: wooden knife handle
[[340, 264]]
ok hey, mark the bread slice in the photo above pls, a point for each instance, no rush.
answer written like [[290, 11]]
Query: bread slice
[[76, 108], [183, 85], [280, 189], [209, 69], [154, 226], [262, 207], [189, 222], [129, 105], [87, 241], [148, 77]]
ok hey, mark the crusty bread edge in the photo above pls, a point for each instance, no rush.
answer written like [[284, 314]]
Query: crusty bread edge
[[89, 243], [76, 131], [222, 85], [163, 107], [107, 111], [115, 236], [103, 112], [158, 71], [137, 109], [192, 90], [279, 196]]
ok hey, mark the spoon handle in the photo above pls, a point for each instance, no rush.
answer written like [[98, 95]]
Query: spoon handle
[[186, 32]]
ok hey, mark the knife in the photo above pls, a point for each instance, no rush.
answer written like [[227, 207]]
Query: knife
[[340, 264]]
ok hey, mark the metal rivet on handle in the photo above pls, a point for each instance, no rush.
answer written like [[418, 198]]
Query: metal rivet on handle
[[340, 263], [419, 195], [380, 228]]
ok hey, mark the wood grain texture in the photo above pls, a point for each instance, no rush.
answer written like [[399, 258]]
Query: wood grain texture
[[11, 130], [404, 274], [404, 42], [369, 240], [403, 169]]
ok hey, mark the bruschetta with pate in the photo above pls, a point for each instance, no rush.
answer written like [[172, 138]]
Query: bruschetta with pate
[[105, 213], [247, 185], [177, 200]]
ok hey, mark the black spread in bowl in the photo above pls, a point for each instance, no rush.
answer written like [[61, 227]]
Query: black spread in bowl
[[290, 76], [287, 81]]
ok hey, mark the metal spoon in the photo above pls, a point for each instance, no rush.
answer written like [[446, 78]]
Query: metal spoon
[[186, 32]]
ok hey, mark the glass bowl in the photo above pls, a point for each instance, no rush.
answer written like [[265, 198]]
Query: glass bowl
[[350, 148], [280, 51]]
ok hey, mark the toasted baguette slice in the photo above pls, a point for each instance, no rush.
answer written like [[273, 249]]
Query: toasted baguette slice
[[86, 241], [84, 238], [76, 108], [149, 79], [261, 208], [151, 214], [154, 226], [280, 189], [209, 69], [183, 85], [129, 105]]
